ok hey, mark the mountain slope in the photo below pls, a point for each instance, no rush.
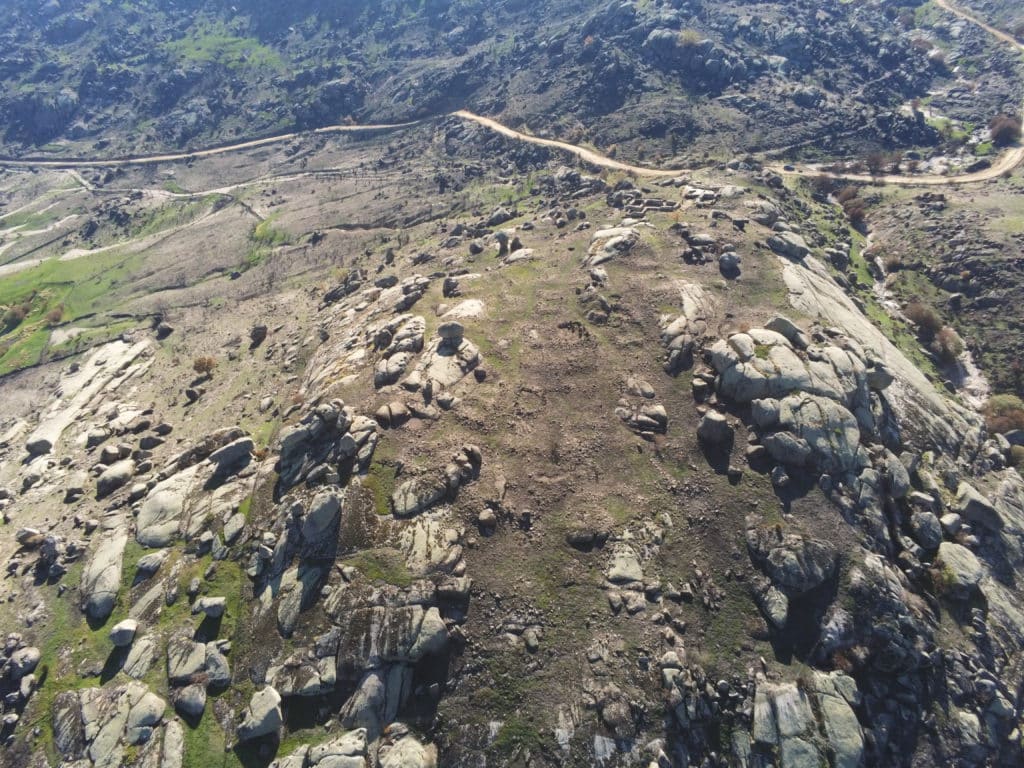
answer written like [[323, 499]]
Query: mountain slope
[[435, 445], [545, 477], [653, 80]]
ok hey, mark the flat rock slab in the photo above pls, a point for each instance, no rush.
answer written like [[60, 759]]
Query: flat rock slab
[[101, 578]]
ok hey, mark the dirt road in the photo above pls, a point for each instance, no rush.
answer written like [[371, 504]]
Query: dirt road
[[1009, 160], [198, 154], [588, 155]]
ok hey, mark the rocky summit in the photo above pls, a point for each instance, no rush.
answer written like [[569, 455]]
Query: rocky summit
[[455, 384]]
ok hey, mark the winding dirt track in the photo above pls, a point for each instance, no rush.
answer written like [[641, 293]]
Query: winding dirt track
[[1007, 161], [588, 155]]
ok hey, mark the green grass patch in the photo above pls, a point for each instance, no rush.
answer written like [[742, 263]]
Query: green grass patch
[[620, 510], [214, 43], [264, 434], [29, 219], [383, 565], [730, 628], [77, 288], [245, 507], [81, 285], [80, 288], [91, 337], [380, 481], [518, 734], [174, 214], [67, 643], [256, 255], [205, 744], [24, 352], [263, 239], [265, 233]]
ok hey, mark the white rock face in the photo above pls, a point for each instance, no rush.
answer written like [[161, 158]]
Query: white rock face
[[101, 579], [625, 566], [813, 292], [105, 370], [263, 716], [160, 519], [123, 633], [606, 244], [409, 753]]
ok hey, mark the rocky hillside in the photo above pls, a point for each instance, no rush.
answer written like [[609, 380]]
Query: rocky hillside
[[435, 446], [684, 79], [480, 458]]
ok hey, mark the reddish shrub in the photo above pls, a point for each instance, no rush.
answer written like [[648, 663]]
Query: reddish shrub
[[855, 211], [1004, 413]]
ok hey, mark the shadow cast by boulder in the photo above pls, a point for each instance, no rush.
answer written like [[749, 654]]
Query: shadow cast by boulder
[[798, 639], [208, 629], [114, 664], [257, 753]]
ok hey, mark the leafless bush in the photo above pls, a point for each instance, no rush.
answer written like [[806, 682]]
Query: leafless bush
[[1005, 130], [924, 317], [846, 193], [892, 262], [948, 345], [204, 365]]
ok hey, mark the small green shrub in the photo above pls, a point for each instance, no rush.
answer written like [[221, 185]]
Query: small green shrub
[[265, 233], [381, 565], [517, 734]]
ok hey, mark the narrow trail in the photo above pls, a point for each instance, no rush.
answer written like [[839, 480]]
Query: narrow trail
[[1007, 161]]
